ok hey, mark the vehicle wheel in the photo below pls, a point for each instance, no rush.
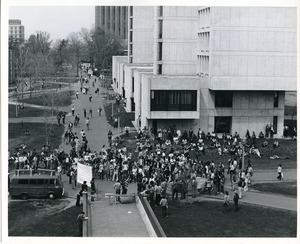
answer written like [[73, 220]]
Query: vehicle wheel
[[51, 196], [24, 196]]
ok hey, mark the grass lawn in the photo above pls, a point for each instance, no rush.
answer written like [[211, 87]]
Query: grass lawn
[[36, 139], [288, 189], [61, 98], [206, 219], [27, 112], [286, 148], [41, 218], [126, 118]]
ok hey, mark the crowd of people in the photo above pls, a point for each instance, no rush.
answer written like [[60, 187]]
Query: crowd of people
[[166, 161]]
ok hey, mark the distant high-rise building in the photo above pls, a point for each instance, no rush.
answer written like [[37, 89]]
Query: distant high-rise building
[[113, 20], [16, 30]]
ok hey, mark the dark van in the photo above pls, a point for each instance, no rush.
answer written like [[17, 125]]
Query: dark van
[[43, 183]]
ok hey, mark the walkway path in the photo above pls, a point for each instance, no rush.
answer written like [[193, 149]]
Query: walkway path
[[121, 220]]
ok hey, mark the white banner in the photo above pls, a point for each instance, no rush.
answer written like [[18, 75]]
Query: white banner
[[84, 173]]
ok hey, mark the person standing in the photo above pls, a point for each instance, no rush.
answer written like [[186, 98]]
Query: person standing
[[117, 187], [90, 97], [84, 112], [236, 200], [240, 186], [194, 187], [87, 123], [279, 171], [80, 219], [91, 112], [93, 187], [226, 201], [164, 205], [73, 110]]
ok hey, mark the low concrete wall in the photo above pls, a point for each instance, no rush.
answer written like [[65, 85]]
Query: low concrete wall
[[152, 225]]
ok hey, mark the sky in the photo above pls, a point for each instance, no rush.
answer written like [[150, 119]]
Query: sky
[[59, 21]]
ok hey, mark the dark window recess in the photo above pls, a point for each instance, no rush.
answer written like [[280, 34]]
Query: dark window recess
[[223, 99], [132, 104], [130, 60], [123, 92], [159, 69], [132, 84], [23, 182], [161, 11], [222, 125], [131, 10], [32, 181], [131, 23], [130, 49], [130, 36], [117, 84], [276, 99], [160, 51], [275, 121], [40, 181], [160, 29], [170, 100]]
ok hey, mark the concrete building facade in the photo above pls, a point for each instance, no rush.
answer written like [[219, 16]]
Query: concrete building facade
[[221, 69]]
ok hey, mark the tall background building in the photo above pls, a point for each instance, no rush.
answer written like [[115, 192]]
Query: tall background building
[[16, 30], [113, 20]]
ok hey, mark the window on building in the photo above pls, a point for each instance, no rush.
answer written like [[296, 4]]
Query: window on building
[[173, 100], [130, 49], [159, 69], [223, 99], [276, 99], [275, 121], [160, 29], [222, 124], [23, 182], [160, 51], [130, 60], [32, 181], [130, 36], [160, 11], [131, 10], [130, 23]]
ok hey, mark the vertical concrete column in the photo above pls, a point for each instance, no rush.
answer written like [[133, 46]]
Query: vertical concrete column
[[101, 12], [106, 20], [111, 19], [97, 16], [117, 20], [86, 210], [122, 16], [155, 43]]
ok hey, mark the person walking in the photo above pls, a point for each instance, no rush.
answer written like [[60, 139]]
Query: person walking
[[87, 123], [164, 205], [90, 97], [279, 171], [91, 112], [99, 111]]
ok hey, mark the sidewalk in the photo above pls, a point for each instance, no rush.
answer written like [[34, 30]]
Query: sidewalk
[[116, 220]]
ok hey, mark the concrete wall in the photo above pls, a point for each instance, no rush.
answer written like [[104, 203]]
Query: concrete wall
[[179, 40], [116, 69], [253, 48], [138, 86]]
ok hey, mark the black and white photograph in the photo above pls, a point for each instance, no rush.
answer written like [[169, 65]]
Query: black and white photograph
[[163, 120]]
